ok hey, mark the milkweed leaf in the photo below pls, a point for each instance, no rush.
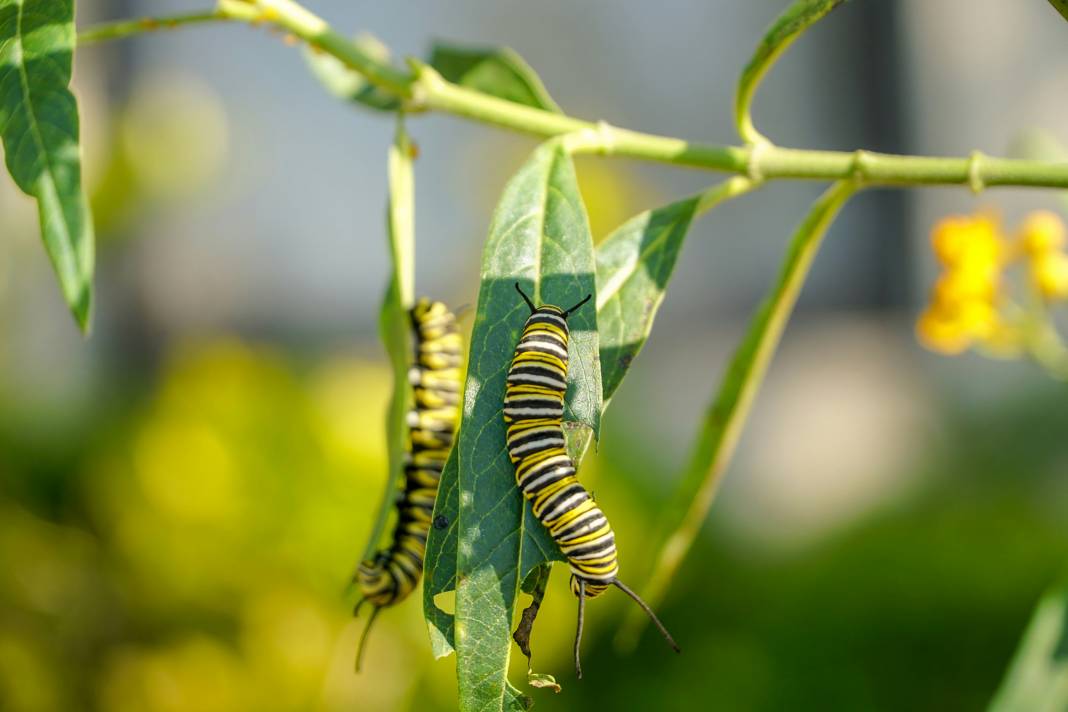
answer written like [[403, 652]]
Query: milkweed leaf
[[39, 127], [540, 238]]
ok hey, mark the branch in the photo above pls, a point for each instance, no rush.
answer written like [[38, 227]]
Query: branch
[[424, 89]]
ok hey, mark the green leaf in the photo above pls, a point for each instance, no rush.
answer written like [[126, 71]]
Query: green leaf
[[497, 71], [1037, 680], [39, 127], [634, 265], [394, 323], [540, 238], [1060, 6], [788, 26], [724, 419], [346, 83]]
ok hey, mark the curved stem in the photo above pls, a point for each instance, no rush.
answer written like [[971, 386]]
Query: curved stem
[[424, 89], [729, 410]]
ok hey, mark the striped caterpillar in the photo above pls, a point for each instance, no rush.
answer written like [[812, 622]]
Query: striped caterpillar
[[391, 575], [533, 411]]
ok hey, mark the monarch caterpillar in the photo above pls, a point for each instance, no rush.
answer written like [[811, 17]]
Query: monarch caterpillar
[[533, 410], [391, 575]]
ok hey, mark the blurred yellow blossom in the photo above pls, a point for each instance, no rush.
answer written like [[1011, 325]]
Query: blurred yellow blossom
[[968, 241], [971, 302], [1042, 232], [963, 308], [1042, 238], [1050, 275]]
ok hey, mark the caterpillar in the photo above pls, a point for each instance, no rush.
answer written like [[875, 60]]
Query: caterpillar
[[392, 573], [533, 411]]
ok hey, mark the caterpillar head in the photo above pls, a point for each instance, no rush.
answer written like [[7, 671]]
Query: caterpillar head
[[552, 312]]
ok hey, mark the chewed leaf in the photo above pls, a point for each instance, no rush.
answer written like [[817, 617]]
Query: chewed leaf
[[39, 127], [534, 584], [497, 71], [788, 26]]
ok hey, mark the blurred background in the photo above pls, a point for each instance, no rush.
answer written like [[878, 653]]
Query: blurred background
[[184, 495]]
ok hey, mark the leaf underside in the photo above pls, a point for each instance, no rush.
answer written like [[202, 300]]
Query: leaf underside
[[497, 71]]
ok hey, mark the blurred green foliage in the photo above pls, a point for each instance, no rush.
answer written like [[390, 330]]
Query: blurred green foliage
[[190, 551]]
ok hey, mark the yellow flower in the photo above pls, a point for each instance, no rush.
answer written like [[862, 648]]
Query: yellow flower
[[1050, 275], [952, 328], [963, 308], [972, 281], [939, 332], [1042, 233], [961, 240]]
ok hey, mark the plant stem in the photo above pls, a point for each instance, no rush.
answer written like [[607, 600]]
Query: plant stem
[[126, 28], [729, 410], [425, 89]]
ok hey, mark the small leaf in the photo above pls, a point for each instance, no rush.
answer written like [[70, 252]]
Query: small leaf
[[39, 126], [540, 237], [788, 26], [345, 82], [1037, 679], [722, 425], [1060, 6], [499, 72], [634, 265], [394, 324]]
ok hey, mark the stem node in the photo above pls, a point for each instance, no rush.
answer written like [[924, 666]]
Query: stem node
[[975, 172]]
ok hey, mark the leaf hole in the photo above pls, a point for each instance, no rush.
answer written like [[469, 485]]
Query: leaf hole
[[446, 601]]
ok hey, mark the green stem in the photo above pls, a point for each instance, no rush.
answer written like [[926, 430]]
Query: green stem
[[425, 89], [126, 28], [723, 423]]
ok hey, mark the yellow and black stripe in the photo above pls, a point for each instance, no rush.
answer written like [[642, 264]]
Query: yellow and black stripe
[[393, 573], [533, 411]]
